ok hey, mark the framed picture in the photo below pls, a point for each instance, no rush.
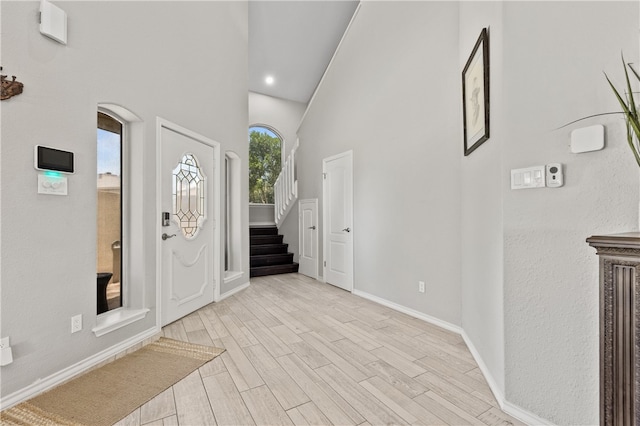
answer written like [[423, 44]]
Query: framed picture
[[475, 95]]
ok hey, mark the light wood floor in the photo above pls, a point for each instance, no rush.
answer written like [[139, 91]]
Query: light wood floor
[[302, 352]]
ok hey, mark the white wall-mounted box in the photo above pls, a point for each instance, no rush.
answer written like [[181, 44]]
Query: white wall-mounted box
[[53, 22], [587, 139]]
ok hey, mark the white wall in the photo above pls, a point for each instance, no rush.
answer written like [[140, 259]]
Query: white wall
[[515, 261], [390, 96], [483, 182], [185, 62], [284, 116], [554, 55]]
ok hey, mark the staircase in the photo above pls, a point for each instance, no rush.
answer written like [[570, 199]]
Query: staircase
[[269, 255], [285, 190]]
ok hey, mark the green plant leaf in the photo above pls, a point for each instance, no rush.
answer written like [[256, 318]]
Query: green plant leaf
[[631, 116], [632, 104], [634, 71]]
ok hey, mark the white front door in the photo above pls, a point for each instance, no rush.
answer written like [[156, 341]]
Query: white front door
[[189, 165], [308, 231], [338, 220]]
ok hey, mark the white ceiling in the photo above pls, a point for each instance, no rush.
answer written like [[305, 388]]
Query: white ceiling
[[293, 41]]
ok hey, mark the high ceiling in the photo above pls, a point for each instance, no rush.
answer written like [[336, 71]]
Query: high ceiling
[[294, 41]]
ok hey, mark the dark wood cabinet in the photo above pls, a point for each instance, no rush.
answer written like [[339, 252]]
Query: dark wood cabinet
[[619, 329]]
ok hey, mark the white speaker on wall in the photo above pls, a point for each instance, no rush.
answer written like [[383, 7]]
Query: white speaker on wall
[[53, 22]]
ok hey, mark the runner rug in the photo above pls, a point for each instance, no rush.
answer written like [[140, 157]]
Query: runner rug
[[109, 393]]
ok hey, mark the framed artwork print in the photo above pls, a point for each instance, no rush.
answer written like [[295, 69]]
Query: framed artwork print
[[475, 95]]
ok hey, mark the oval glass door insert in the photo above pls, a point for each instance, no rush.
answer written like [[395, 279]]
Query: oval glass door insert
[[189, 196]]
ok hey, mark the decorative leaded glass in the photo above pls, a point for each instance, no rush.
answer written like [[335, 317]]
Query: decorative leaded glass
[[188, 196]]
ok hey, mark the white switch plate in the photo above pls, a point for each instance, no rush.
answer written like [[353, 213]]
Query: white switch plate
[[529, 177], [52, 184], [421, 286]]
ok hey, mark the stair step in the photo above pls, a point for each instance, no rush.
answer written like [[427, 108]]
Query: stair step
[[269, 249], [271, 259], [259, 271], [263, 230], [265, 239]]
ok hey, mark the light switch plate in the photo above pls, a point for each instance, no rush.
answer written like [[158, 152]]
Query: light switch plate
[[529, 177], [51, 184]]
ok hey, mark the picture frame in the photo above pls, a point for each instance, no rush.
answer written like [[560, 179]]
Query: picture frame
[[475, 95]]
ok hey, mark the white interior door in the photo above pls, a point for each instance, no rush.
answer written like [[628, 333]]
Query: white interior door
[[338, 220], [189, 200], [308, 231]]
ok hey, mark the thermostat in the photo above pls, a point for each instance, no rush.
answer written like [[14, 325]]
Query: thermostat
[[51, 159]]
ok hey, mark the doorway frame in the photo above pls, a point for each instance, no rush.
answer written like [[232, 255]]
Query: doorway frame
[[216, 187], [325, 231]]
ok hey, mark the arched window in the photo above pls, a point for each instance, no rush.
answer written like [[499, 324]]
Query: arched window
[[121, 203], [265, 163]]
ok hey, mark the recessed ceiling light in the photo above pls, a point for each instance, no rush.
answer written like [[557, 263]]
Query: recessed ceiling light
[[269, 80]]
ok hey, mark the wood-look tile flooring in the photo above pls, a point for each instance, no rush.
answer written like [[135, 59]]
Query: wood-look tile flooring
[[306, 353]]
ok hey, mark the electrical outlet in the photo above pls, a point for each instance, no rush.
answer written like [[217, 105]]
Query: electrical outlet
[[6, 355], [76, 323], [421, 286]]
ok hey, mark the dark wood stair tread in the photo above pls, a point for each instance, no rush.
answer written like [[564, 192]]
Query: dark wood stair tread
[[269, 254], [268, 249], [265, 239], [263, 230], [260, 271], [271, 259]]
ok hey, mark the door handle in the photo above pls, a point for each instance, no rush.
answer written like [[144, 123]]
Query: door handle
[[312, 227], [347, 229], [166, 237]]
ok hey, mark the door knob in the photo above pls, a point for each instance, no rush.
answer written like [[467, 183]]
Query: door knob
[[347, 229], [166, 237], [312, 227]]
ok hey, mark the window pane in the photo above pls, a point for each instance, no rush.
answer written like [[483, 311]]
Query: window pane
[[264, 164], [109, 220]]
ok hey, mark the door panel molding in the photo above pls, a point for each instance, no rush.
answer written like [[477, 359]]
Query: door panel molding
[[179, 261], [308, 229]]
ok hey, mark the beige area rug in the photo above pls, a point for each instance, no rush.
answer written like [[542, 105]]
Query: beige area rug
[[109, 393]]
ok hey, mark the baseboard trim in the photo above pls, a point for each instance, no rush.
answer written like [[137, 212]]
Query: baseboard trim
[[506, 406], [509, 408], [416, 314], [523, 415], [493, 385], [74, 370], [234, 291]]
